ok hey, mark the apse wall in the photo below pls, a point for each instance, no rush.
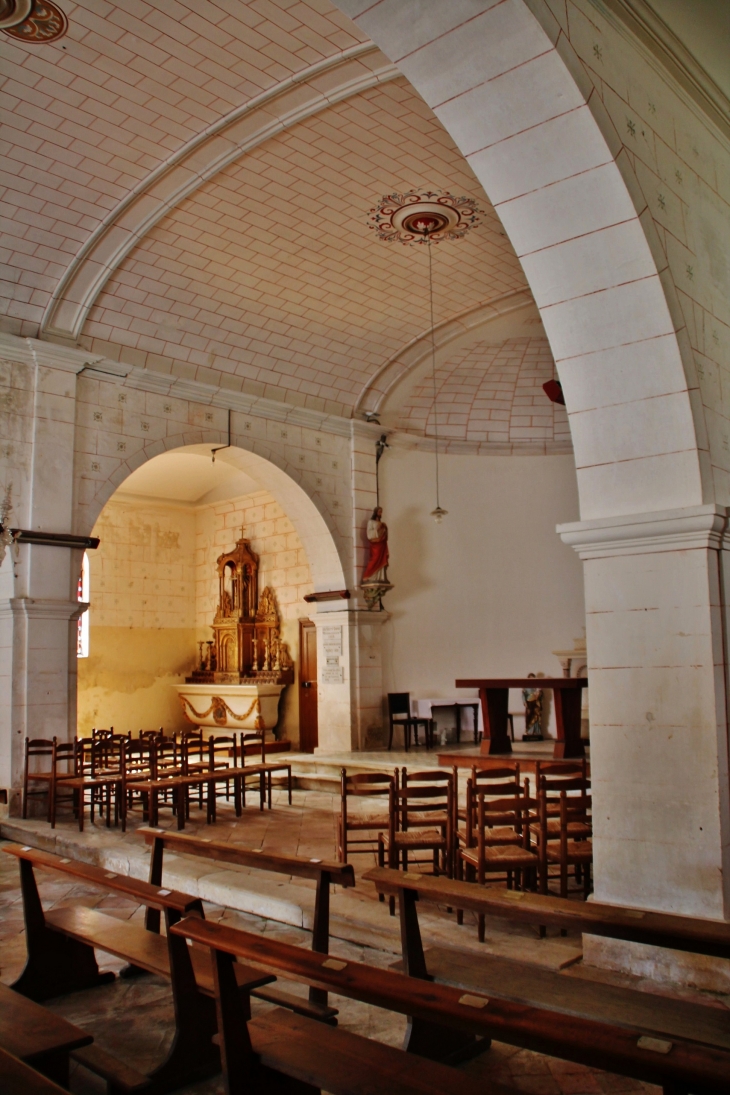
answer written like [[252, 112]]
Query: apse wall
[[153, 596], [491, 591]]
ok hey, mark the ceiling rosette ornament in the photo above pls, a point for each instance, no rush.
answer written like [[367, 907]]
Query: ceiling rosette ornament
[[423, 216], [32, 21]]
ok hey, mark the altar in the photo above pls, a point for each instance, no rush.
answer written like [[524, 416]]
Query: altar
[[239, 678]]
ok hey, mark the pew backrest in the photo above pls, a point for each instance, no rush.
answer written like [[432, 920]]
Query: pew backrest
[[686, 933], [340, 874]]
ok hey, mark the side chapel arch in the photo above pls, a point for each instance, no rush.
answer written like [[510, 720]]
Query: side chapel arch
[[318, 538]]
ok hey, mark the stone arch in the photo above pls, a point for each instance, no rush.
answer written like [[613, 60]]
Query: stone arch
[[503, 80], [324, 549]]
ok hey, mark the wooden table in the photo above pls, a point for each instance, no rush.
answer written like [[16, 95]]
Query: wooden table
[[36, 1036], [494, 695]]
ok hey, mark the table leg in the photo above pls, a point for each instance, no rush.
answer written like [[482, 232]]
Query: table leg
[[567, 722], [494, 716]]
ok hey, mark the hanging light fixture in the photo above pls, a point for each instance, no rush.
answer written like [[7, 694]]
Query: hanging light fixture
[[426, 218]]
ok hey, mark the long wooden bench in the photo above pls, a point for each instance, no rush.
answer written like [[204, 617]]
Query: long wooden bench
[[61, 959], [37, 1037], [20, 1079], [324, 872], [525, 984], [678, 1063], [259, 1053], [659, 929]]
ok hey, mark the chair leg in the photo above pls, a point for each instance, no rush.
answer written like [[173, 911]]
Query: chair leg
[[390, 736], [481, 926]]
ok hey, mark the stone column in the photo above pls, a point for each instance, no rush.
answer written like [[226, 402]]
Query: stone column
[[655, 587], [39, 606], [350, 684]]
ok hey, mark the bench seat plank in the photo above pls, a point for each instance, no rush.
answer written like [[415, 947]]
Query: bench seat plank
[[659, 929], [20, 1079], [343, 1063], [30, 1031], [136, 945], [528, 984]]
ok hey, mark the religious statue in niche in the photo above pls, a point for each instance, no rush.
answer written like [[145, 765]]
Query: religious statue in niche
[[246, 645], [374, 582], [533, 698]]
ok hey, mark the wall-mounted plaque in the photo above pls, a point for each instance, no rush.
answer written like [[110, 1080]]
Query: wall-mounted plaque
[[333, 674]]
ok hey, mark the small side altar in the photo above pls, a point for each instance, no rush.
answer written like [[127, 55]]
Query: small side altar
[[239, 679]]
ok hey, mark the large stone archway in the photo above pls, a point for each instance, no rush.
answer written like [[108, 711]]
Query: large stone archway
[[503, 79]]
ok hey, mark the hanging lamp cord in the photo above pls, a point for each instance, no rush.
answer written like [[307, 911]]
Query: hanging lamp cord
[[433, 369]]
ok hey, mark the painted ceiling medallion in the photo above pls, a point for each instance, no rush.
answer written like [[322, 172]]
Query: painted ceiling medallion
[[420, 217], [32, 21]]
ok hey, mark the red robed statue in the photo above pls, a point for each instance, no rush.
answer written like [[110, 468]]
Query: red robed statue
[[377, 534]]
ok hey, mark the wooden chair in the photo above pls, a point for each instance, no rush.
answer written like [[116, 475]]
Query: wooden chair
[[267, 766], [420, 818], [222, 754], [492, 853], [136, 765], [362, 785], [399, 714], [100, 780], [61, 766], [566, 841], [151, 735], [494, 782]]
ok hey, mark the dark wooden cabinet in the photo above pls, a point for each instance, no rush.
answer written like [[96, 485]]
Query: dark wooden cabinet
[[307, 686]]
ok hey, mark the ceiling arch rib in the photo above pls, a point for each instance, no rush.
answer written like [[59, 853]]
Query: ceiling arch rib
[[375, 393], [292, 100]]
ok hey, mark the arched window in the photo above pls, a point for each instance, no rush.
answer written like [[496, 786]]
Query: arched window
[[82, 638]]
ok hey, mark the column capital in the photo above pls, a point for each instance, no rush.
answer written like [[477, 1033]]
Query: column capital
[[42, 608], [642, 533]]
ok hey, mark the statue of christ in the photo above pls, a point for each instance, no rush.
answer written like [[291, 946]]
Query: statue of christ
[[377, 534]]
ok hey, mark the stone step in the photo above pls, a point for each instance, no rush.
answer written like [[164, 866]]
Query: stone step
[[356, 916]]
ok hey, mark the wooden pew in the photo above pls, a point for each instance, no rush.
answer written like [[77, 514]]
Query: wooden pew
[[678, 1064], [684, 933], [37, 1037], [522, 983], [258, 1054], [20, 1079], [61, 959], [323, 872]]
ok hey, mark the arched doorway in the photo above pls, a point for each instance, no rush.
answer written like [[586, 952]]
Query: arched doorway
[[154, 585]]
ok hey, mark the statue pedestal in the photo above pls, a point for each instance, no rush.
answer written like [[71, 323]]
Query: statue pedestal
[[229, 707]]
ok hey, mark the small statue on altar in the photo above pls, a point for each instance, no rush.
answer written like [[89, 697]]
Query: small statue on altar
[[532, 698]]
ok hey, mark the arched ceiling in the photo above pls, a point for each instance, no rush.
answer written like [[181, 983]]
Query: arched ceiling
[[490, 395], [261, 276], [269, 275]]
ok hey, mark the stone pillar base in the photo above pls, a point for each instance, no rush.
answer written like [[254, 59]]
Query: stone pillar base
[[697, 971]]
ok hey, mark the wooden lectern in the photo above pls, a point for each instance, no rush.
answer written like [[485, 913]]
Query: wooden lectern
[[494, 694]]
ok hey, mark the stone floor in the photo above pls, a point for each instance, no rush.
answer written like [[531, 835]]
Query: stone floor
[[133, 1019]]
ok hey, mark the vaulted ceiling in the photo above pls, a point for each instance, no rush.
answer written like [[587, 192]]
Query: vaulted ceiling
[[188, 187]]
